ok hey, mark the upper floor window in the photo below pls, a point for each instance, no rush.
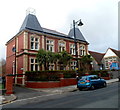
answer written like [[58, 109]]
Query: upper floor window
[[82, 50], [50, 45], [34, 43], [109, 61], [34, 64], [61, 46], [72, 49]]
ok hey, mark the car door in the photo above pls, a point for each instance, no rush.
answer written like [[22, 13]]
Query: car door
[[95, 81]]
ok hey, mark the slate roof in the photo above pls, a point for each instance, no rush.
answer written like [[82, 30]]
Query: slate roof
[[78, 33], [31, 23], [54, 32], [97, 56]]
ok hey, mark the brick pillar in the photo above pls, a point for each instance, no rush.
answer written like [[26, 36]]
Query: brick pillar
[[9, 84]]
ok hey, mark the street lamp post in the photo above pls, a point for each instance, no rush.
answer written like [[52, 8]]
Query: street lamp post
[[79, 23]]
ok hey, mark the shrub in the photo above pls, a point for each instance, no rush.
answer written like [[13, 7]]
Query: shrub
[[48, 75], [104, 73], [42, 76]]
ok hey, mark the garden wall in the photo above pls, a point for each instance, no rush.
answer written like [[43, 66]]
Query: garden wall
[[51, 84]]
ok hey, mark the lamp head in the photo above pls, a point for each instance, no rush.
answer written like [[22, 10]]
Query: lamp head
[[80, 23]]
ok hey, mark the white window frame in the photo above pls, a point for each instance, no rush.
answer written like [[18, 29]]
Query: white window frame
[[72, 49], [34, 42], [61, 46], [82, 50], [50, 44], [34, 63], [108, 61], [51, 66], [73, 65]]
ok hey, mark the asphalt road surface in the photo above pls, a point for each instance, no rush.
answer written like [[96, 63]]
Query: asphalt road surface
[[99, 98]]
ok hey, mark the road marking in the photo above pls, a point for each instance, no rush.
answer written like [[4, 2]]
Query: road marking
[[30, 98]]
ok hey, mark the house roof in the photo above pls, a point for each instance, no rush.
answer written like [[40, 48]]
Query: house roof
[[117, 52], [78, 33], [97, 56], [54, 32], [31, 23]]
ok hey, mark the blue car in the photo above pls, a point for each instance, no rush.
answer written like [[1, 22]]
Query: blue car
[[90, 82]]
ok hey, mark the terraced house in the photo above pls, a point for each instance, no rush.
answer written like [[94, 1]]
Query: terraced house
[[23, 47]]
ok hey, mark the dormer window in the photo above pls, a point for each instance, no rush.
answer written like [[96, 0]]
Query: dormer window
[[61, 46], [34, 43]]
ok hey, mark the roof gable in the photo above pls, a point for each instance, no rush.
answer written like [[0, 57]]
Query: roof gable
[[110, 52], [97, 56], [117, 52]]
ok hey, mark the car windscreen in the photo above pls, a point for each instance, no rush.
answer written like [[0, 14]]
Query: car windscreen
[[83, 78]]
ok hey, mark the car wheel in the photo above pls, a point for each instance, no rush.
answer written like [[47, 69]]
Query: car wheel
[[77, 86], [92, 87], [104, 85]]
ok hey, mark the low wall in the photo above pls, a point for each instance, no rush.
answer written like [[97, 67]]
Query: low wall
[[51, 84], [106, 78]]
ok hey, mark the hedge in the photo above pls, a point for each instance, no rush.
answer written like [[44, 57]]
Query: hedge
[[55, 75], [104, 73], [48, 75]]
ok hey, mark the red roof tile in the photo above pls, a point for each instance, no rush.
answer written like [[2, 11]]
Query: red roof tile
[[97, 56]]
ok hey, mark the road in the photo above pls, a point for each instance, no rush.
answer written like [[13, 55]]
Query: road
[[99, 98]]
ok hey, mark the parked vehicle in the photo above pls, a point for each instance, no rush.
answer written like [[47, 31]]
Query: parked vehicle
[[90, 82]]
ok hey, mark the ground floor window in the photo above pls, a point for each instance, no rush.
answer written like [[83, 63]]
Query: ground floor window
[[51, 66], [34, 66], [73, 65]]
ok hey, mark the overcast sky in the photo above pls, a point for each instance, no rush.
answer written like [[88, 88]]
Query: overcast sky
[[100, 18]]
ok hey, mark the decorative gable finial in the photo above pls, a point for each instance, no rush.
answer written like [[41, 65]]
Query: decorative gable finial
[[30, 11]]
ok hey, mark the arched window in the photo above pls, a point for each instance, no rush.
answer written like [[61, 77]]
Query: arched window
[[61, 46], [82, 50]]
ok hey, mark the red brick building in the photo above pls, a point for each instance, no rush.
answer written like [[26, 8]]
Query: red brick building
[[22, 48]]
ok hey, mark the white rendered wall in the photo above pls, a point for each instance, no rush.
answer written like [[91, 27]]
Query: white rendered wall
[[109, 53]]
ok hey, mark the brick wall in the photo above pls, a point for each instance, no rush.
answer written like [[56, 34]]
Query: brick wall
[[51, 84]]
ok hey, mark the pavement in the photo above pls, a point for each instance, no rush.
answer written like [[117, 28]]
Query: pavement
[[23, 93]]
